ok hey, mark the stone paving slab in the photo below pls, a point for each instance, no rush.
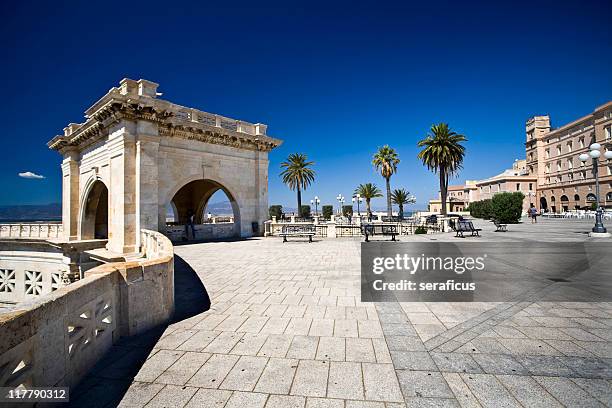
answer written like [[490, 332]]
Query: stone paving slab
[[286, 328]]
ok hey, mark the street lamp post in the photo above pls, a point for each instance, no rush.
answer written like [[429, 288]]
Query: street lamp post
[[316, 203], [357, 198], [340, 199], [595, 153]]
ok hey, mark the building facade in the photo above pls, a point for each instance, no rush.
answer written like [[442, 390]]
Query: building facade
[[564, 183], [511, 180], [552, 177]]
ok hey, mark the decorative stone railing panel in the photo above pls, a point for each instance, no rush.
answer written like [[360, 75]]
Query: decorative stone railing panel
[[31, 230], [339, 230], [55, 339]]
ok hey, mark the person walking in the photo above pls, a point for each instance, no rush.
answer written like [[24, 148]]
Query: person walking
[[533, 213]]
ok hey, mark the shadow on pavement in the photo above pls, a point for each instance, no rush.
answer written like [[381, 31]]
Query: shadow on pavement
[[109, 380]]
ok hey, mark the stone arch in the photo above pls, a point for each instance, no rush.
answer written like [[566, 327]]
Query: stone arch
[[193, 196], [591, 198], [94, 214], [543, 204], [564, 202]]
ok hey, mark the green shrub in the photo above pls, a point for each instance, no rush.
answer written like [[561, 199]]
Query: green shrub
[[327, 211], [420, 230], [276, 211], [593, 206], [347, 210], [507, 208], [305, 211], [481, 209]]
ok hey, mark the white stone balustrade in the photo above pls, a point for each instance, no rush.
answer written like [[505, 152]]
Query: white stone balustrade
[[336, 229], [211, 119], [41, 230]]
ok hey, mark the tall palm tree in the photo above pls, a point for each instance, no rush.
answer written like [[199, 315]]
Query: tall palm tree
[[443, 154], [386, 160], [297, 175], [400, 197], [368, 191]]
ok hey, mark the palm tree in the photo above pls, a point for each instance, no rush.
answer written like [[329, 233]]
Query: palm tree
[[297, 175], [443, 154], [386, 160], [368, 191], [401, 197]]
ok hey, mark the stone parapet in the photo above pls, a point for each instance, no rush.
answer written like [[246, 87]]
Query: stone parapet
[[57, 338]]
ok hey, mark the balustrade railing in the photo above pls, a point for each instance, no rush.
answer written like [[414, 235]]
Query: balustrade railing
[[41, 230], [343, 228], [210, 119]]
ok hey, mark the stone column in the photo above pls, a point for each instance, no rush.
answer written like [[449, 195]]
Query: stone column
[[122, 228], [70, 194], [147, 179], [261, 188]]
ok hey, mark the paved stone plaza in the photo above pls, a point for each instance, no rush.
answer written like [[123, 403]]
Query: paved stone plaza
[[286, 328]]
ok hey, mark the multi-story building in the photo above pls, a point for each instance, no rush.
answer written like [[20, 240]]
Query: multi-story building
[[563, 181], [514, 179], [552, 177]]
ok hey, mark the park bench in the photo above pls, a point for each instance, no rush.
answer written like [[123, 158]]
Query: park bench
[[307, 230], [379, 229], [466, 226], [499, 226]]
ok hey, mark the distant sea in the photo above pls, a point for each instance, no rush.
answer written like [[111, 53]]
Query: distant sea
[[26, 220]]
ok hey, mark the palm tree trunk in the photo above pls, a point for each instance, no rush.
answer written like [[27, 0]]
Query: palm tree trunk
[[299, 202], [368, 210], [443, 190], [401, 212], [389, 208]]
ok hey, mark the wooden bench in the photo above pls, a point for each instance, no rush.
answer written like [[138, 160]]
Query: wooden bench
[[499, 226], [379, 229], [466, 226], [307, 230]]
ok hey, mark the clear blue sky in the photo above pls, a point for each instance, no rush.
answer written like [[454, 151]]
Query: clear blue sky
[[334, 81]]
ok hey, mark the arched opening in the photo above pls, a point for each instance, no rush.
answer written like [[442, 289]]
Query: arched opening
[[543, 204], [553, 206], [577, 201], [203, 209], [565, 203], [94, 221], [591, 198]]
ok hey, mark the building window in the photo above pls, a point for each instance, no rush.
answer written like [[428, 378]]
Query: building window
[[569, 146], [518, 186], [558, 166], [530, 186], [547, 168], [609, 170], [570, 164], [558, 150], [547, 180], [581, 142], [547, 153], [570, 176], [608, 132]]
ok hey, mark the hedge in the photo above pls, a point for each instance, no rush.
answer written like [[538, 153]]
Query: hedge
[[506, 207]]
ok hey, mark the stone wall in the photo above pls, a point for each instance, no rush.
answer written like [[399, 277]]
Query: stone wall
[[56, 339]]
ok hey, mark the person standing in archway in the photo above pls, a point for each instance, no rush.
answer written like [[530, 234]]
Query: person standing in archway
[[190, 223]]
